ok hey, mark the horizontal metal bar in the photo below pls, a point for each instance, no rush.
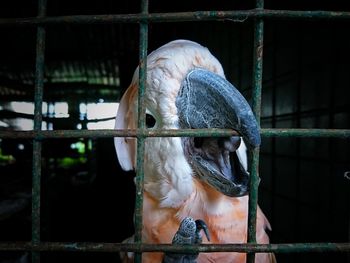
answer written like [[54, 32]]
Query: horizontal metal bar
[[115, 247], [116, 133], [316, 133], [236, 16]]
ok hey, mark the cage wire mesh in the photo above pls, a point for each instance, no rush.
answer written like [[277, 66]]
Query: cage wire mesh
[[297, 68]]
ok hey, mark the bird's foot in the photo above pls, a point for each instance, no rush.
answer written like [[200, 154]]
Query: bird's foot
[[189, 232]]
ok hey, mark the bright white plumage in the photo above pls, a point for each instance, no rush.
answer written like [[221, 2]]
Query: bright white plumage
[[204, 178]]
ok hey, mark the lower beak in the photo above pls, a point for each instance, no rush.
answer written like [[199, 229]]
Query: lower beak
[[206, 100]]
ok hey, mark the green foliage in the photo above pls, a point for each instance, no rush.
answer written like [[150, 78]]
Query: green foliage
[[6, 159], [68, 162]]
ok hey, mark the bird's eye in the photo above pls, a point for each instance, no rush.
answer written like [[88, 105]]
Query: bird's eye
[[150, 121]]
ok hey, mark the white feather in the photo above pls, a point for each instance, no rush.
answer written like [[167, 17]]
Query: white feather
[[168, 177]]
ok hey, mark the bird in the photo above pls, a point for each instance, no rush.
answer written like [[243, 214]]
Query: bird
[[200, 179]]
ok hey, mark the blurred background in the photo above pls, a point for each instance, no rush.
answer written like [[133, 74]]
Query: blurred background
[[86, 196]]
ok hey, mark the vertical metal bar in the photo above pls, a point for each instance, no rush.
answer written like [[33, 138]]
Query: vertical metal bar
[[274, 123], [298, 158], [257, 87], [141, 125], [37, 150]]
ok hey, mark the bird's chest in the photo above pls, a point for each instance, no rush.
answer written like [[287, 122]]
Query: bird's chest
[[161, 224], [226, 226]]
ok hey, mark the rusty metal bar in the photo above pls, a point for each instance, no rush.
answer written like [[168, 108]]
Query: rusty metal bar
[[257, 89], [315, 133], [141, 125], [59, 134], [265, 132], [235, 16], [116, 247], [37, 145]]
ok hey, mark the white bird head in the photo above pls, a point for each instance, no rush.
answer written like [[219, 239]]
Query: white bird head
[[186, 88]]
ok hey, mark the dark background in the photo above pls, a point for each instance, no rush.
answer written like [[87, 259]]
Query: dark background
[[306, 84]]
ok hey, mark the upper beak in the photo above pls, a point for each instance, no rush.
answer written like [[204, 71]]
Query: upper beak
[[206, 100]]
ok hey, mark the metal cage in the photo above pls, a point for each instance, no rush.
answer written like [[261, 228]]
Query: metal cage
[[144, 18]]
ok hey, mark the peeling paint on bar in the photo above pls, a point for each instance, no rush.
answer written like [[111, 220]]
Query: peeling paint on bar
[[116, 247], [276, 132], [317, 133], [237, 16], [256, 105], [143, 46]]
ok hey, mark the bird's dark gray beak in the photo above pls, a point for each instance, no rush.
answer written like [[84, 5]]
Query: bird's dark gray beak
[[206, 100]]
